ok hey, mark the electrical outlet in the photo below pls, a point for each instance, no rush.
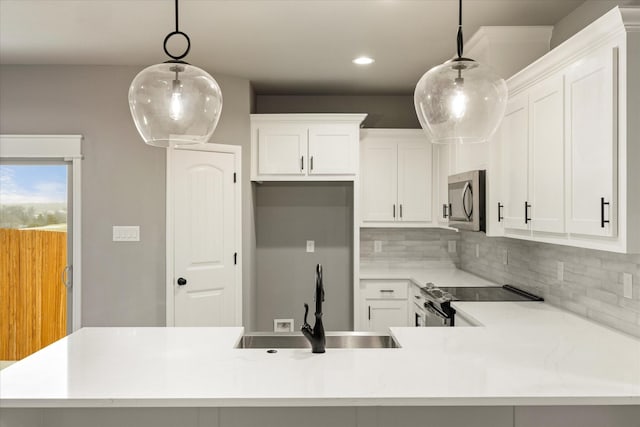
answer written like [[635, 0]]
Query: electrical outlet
[[311, 246], [126, 233], [505, 257], [377, 246], [477, 250], [560, 272], [627, 282], [283, 325], [452, 245]]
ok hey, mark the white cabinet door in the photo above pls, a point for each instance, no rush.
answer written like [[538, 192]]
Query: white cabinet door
[[444, 161], [414, 181], [515, 144], [380, 315], [282, 149], [591, 137], [332, 150], [379, 175], [546, 161]]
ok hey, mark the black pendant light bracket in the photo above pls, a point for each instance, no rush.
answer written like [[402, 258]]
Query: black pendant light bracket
[[176, 58]]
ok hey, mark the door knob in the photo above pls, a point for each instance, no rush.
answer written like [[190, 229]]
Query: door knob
[[182, 281]]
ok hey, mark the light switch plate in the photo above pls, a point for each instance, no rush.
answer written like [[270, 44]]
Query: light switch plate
[[126, 233], [311, 246], [560, 272], [452, 246], [627, 282], [377, 246], [477, 250], [505, 257]]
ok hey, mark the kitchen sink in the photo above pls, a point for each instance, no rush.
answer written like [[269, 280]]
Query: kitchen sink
[[270, 340]]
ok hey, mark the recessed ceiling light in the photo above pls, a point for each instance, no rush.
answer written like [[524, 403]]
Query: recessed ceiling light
[[363, 60]]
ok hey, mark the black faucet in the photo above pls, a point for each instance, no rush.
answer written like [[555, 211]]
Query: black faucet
[[316, 335]]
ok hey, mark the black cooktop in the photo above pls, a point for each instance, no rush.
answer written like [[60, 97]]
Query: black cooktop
[[489, 293]]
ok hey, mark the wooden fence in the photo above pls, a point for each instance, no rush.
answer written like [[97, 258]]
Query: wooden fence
[[33, 300]]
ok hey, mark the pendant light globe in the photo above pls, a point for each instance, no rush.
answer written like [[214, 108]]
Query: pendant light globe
[[460, 101], [175, 104]]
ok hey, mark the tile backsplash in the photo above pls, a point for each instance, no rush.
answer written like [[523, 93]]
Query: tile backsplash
[[407, 247], [590, 283]]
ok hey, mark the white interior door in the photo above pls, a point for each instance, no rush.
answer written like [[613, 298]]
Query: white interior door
[[206, 242]]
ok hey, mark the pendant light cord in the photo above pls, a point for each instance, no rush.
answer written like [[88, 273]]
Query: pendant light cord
[[177, 30], [459, 38]]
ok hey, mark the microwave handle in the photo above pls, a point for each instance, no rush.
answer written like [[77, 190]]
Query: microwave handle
[[467, 187]]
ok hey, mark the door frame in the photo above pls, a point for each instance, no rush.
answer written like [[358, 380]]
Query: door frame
[[236, 150], [67, 148]]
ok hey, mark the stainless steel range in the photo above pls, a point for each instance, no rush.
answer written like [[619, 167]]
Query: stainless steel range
[[437, 306]]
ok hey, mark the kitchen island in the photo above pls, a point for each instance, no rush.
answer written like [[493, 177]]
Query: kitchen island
[[525, 356]]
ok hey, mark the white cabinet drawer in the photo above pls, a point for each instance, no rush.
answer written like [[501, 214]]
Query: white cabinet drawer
[[385, 289]]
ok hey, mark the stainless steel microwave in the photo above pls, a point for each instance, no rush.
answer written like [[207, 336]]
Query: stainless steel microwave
[[466, 209]]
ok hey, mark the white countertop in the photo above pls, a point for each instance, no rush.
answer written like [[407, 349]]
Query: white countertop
[[528, 353], [439, 276]]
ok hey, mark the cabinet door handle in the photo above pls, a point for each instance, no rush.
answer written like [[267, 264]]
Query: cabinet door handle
[[301, 163], [394, 210], [386, 290], [369, 312], [311, 163], [500, 217], [602, 220], [444, 210], [400, 210], [527, 206]]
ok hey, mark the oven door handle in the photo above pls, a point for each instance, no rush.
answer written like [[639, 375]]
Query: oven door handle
[[429, 306], [467, 187]]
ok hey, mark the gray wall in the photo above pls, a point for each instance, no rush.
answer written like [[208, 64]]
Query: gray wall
[[582, 16], [123, 180], [287, 215], [592, 285], [384, 111]]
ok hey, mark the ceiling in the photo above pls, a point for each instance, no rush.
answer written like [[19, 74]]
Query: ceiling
[[286, 46]]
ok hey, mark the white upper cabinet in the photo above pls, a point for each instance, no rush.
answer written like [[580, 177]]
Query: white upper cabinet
[[569, 141], [331, 149], [546, 155], [532, 136], [592, 143], [395, 178], [515, 143], [415, 181], [282, 149], [444, 159], [379, 179], [304, 147]]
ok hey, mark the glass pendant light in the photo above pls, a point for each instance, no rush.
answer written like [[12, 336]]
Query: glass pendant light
[[175, 103], [460, 100]]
